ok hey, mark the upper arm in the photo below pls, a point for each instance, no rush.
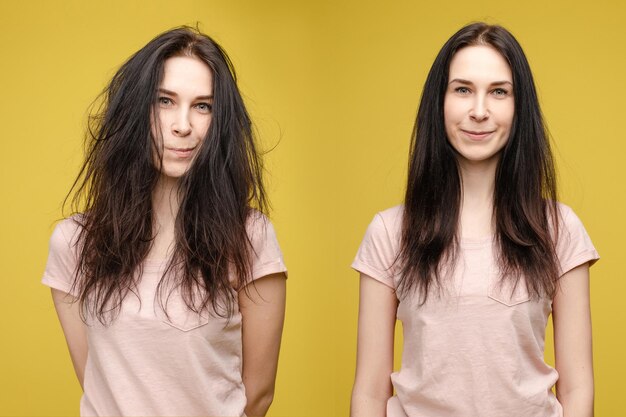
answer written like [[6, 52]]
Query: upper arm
[[378, 304], [572, 331], [377, 317], [67, 308], [262, 307]]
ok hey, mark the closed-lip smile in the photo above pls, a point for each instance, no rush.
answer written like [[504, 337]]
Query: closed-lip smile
[[477, 134], [182, 152]]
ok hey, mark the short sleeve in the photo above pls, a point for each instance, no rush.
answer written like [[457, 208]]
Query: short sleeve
[[60, 269], [267, 257], [376, 255], [574, 247]]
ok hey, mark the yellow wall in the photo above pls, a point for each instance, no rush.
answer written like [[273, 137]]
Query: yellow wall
[[337, 83]]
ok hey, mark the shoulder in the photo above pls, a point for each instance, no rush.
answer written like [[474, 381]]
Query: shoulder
[[267, 257], [259, 226], [573, 244], [388, 222], [379, 248], [393, 214], [255, 216], [65, 234], [564, 211], [63, 256], [569, 223]]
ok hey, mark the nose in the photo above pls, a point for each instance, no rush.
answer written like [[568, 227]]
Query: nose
[[479, 111], [181, 125]]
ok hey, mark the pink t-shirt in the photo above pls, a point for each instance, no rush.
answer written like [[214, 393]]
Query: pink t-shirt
[[477, 349], [146, 364]]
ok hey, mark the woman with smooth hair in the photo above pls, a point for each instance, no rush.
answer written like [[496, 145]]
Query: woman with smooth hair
[[477, 257], [168, 280]]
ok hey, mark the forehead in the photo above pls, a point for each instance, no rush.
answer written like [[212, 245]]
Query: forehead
[[479, 63], [187, 74]]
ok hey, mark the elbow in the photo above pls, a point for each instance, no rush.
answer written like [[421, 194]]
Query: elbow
[[264, 401], [258, 403], [370, 399], [578, 401]]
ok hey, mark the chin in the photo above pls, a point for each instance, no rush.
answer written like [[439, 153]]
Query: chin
[[174, 172], [480, 159], [172, 175]]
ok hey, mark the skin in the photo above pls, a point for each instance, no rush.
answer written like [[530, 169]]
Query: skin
[[184, 116], [478, 105], [571, 317], [374, 364], [478, 113], [184, 113], [262, 308], [74, 330]]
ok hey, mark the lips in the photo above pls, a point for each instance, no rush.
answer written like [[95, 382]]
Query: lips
[[181, 152], [477, 134]]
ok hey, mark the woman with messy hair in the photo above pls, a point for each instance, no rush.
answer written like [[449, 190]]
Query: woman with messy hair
[[168, 280], [477, 257]]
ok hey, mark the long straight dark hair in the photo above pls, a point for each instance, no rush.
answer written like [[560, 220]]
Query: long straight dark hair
[[525, 196], [114, 188]]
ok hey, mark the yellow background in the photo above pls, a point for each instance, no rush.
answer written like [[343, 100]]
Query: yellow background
[[336, 85]]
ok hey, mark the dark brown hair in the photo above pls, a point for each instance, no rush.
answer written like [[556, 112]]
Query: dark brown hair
[[525, 195], [115, 184]]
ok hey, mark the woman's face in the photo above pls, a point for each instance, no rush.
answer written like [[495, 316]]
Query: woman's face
[[184, 109], [478, 104]]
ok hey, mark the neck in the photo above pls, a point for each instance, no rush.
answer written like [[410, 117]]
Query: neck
[[478, 183], [165, 202]]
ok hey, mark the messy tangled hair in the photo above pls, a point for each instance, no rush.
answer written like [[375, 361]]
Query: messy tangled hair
[[525, 195], [114, 188]]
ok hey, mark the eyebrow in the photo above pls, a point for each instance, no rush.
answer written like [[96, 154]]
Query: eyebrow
[[172, 93], [466, 82]]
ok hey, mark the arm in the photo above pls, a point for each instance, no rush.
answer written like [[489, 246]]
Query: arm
[[377, 319], [572, 343], [262, 307], [67, 308]]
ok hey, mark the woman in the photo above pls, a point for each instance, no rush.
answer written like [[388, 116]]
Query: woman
[[478, 256], [170, 286]]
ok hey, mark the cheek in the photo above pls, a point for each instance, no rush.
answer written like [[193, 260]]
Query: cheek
[[156, 143], [506, 116], [453, 109], [156, 128], [450, 115], [203, 127]]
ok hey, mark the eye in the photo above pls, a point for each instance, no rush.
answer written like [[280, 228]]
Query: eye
[[204, 107], [165, 101], [500, 92], [462, 90]]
